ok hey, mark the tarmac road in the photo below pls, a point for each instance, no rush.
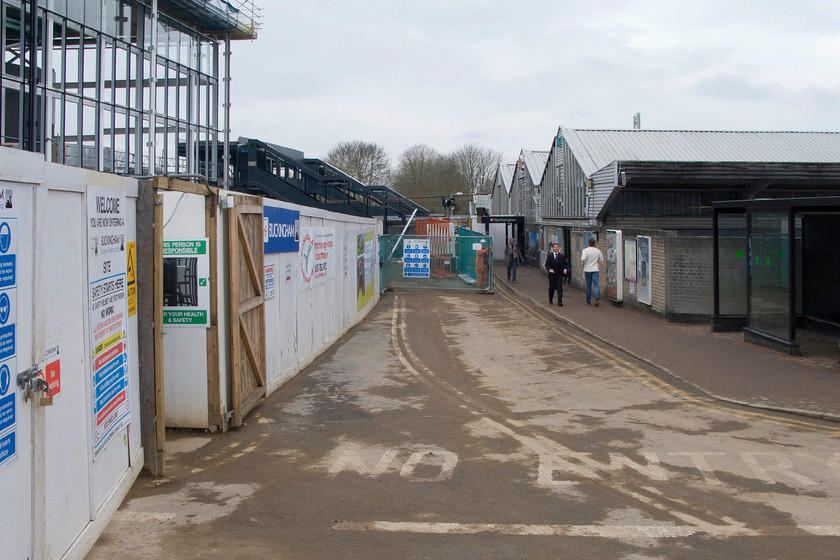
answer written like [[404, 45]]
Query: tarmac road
[[476, 426]]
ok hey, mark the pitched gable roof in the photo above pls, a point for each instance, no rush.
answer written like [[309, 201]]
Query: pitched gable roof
[[535, 163], [594, 149], [506, 172]]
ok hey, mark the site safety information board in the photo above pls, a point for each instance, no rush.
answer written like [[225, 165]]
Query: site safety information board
[[107, 262], [416, 258], [8, 319], [186, 282]]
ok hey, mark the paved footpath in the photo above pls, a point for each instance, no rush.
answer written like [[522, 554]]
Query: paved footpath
[[720, 365]]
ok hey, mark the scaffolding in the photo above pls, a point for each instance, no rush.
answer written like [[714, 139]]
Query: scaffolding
[[239, 18]]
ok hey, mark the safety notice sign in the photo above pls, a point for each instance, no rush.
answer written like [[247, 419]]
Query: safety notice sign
[[108, 312], [416, 258]]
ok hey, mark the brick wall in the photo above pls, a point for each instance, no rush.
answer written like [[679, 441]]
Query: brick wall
[[681, 273], [690, 276]]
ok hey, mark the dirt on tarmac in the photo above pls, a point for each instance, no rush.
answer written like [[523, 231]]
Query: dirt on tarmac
[[469, 426]]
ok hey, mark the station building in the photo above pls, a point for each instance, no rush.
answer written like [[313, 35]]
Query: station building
[[647, 197]]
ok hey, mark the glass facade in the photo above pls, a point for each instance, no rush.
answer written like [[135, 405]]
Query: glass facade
[[101, 84], [732, 264], [770, 286]]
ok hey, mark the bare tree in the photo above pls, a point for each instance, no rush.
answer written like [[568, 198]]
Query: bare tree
[[413, 176], [367, 163], [477, 167]]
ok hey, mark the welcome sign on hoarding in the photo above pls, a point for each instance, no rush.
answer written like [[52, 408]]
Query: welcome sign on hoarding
[[281, 230]]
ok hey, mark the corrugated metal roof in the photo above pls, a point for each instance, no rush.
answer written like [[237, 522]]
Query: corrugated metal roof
[[535, 162], [506, 171], [594, 149]]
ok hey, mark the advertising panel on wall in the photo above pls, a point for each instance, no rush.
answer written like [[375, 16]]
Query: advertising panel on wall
[[316, 257], [107, 295], [364, 268], [8, 319], [643, 270], [186, 282], [615, 266], [281, 230], [630, 260]]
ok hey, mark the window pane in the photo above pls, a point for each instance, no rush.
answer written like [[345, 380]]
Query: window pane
[[89, 128], [11, 115], [107, 140], [133, 78], [54, 131], [72, 145], [134, 154], [163, 39], [172, 92], [146, 85], [160, 92], [58, 6], [56, 78], [732, 264], [769, 285], [183, 95], [89, 66], [145, 137], [76, 10], [108, 52], [110, 16], [72, 55], [12, 47], [120, 139], [121, 77], [136, 25], [93, 13]]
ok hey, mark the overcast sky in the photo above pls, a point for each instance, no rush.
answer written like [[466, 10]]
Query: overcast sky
[[506, 74]]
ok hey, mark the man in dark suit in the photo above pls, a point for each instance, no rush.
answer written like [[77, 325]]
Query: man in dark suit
[[555, 264]]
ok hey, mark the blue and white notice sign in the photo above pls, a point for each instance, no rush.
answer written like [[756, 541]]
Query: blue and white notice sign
[[8, 318], [281, 230], [416, 258]]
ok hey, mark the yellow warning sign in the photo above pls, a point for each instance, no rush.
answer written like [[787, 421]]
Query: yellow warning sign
[[131, 277]]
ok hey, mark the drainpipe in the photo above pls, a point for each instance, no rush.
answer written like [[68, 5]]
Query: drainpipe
[[226, 80]]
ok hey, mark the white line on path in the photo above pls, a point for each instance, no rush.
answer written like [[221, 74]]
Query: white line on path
[[602, 531]]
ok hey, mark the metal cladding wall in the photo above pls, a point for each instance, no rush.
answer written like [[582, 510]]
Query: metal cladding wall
[[62, 480]]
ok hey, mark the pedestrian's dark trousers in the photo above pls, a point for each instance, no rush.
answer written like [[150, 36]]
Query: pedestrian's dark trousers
[[555, 282]]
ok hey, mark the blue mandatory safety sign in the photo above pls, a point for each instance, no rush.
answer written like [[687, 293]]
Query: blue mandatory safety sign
[[416, 258]]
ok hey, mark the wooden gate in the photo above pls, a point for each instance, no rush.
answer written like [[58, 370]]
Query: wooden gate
[[247, 305]]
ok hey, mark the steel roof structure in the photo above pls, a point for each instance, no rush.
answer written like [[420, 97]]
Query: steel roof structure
[[285, 174], [216, 17]]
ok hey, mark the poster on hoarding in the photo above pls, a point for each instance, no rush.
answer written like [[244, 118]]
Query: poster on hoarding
[[364, 268], [107, 303], [316, 257]]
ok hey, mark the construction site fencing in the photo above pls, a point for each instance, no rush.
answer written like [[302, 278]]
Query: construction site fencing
[[461, 261]]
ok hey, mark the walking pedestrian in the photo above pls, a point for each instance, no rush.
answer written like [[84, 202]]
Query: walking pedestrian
[[555, 264], [590, 258], [513, 256]]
